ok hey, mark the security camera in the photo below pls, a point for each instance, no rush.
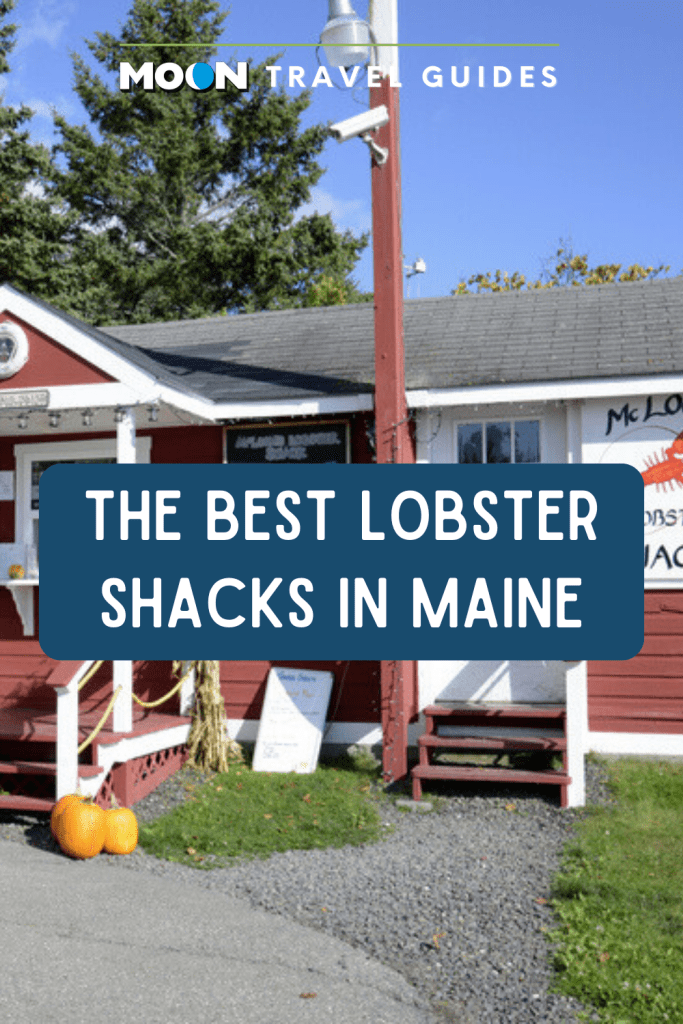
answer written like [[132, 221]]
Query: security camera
[[361, 124]]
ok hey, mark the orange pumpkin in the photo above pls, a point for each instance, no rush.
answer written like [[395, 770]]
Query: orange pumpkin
[[58, 810], [81, 829], [120, 830]]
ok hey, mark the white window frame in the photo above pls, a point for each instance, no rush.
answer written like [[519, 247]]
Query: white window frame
[[483, 420], [55, 451]]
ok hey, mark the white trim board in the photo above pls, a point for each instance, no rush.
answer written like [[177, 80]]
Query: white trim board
[[292, 407], [245, 730], [83, 448], [650, 744], [545, 391]]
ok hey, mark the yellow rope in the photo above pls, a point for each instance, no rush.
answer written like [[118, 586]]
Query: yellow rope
[[89, 674], [142, 703], [156, 703], [101, 722]]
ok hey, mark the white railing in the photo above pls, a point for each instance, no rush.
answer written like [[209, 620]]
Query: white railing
[[67, 678]]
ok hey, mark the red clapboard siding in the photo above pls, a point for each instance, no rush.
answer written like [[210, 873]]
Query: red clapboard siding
[[635, 686], [6, 522], [154, 679], [646, 725], [640, 707], [654, 667], [50, 364], [645, 693], [656, 645], [637, 716], [10, 623], [151, 680], [355, 693], [663, 624], [178, 444], [7, 452], [24, 670]]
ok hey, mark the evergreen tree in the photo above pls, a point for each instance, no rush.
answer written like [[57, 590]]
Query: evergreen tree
[[33, 252], [187, 200]]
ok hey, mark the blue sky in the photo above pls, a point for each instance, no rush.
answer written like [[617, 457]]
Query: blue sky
[[492, 177]]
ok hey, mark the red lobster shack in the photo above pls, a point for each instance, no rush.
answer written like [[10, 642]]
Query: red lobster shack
[[561, 375]]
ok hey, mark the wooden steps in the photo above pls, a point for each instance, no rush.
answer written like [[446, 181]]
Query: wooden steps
[[470, 773], [492, 728], [26, 803], [42, 768], [493, 743], [28, 780]]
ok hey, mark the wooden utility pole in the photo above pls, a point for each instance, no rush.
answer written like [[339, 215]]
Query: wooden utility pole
[[393, 435]]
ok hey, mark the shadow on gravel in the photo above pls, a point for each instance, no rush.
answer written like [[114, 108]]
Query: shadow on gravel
[[31, 829]]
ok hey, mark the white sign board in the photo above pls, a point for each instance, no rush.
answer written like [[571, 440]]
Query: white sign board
[[292, 720], [6, 485], [24, 399], [646, 431]]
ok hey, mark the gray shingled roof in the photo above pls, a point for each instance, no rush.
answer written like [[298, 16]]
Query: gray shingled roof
[[555, 334], [290, 354], [512, 337]]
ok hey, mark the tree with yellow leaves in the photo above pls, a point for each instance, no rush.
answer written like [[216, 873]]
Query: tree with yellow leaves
[[569, 270]]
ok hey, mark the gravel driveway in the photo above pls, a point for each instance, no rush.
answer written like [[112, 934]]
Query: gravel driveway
[[454, 898]]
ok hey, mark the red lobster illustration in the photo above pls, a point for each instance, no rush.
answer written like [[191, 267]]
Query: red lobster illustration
[[668, 469]]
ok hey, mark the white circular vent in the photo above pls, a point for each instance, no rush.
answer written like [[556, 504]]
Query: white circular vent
[[13, 349]]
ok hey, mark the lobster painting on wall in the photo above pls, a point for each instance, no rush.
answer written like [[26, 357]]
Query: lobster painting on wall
[[666, 471], [646, 432]]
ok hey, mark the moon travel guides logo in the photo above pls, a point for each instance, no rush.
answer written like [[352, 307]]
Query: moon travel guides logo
[[170, 77]]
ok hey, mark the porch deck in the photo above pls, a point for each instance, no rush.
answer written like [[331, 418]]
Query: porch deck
[[39, 725], [128, 764]]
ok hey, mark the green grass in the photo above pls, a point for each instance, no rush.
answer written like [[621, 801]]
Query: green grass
[[252, 814], [619, 900]]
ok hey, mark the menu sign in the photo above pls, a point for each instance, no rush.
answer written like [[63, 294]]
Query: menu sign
[[292, 720]]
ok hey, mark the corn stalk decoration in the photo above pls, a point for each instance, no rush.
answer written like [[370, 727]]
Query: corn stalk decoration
[[210, 747]]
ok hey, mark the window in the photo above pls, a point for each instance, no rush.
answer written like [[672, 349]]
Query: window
[[33, 459], [515, 441]]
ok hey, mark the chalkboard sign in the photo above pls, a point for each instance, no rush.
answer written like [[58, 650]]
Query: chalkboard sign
[[292, 720], [300, 443]]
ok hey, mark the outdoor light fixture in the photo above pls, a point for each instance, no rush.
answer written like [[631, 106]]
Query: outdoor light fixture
[[87, 417], [22, 420], [119, 414], [153, 411], [53, 419], [418, 267], [346, 37]]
